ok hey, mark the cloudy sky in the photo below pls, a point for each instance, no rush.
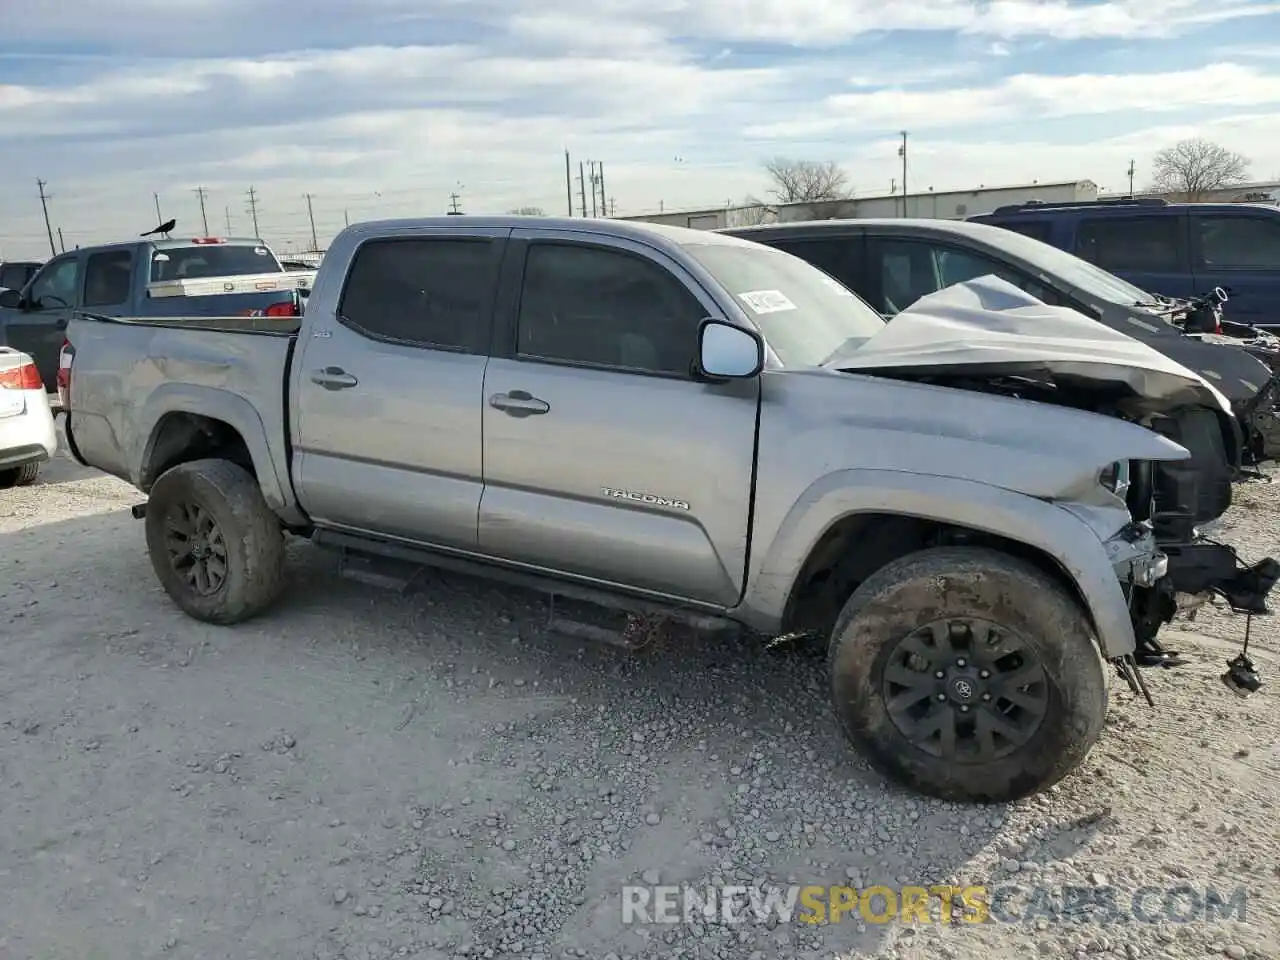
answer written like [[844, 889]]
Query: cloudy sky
[[386, 107]]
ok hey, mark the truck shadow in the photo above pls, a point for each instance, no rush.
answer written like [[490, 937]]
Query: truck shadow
[[736, 741]]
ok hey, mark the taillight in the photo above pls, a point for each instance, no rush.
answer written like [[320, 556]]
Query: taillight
[[25, 377], [288, 309], [65, 356]]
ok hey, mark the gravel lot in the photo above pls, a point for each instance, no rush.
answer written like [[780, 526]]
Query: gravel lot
[[363, 775]]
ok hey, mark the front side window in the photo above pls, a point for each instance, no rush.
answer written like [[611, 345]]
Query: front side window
[[603, 307], [56, 286], [1239, 243], [106, 278], [1134, 244], [421, 292]]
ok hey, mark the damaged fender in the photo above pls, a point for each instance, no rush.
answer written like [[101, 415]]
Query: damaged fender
[[1080, 540]]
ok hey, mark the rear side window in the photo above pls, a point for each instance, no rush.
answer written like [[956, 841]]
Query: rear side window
[[106, 278], [1035, 229], [1139, 244], [837, 257], [423, 292], [1238, 243]]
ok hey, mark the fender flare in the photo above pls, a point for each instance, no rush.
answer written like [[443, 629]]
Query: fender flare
[[1076, 546], [214, 404]]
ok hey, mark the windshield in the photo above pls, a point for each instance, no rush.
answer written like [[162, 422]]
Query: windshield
[[1079, 273], [806, 317], [200, 261]]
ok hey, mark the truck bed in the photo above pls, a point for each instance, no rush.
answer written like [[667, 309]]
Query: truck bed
[[229, 367]]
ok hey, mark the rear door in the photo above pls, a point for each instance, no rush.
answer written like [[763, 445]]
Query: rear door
[[50, 299], [388, 391], [1150, 251], [1239, 250], [603, 458]]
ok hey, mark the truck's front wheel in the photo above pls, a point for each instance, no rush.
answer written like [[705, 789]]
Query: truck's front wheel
[[968, 675], [216, 546]]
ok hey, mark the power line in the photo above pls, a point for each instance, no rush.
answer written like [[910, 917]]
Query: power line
[[200, 192], [253, 210], [44, 205]]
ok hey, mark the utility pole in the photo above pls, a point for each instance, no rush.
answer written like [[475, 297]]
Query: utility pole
[[44, 205], [568, 182], [902, 152], [227, 210], [453, 203], [613, 206], [315, 244], [253, 211], [604, 206], [62, 243], [159, 215], [594, 211], [346, 218], [1130, 179], [201, 192], [582, 187]]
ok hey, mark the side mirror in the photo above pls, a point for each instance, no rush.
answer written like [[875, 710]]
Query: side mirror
[[728, 352], [11, 299]]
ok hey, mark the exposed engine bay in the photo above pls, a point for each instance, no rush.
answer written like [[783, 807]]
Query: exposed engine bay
[[991, 337]]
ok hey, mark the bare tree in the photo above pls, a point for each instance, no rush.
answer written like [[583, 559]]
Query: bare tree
[[1194, 168], [800, 180], [528, 212], [751, 213]]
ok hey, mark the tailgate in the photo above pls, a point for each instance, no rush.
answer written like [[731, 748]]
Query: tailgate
[[274, 282]]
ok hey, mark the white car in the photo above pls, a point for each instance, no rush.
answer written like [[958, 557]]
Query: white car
[[28, 437]]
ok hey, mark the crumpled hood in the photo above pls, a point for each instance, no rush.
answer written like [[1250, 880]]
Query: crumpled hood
[[988, 326]]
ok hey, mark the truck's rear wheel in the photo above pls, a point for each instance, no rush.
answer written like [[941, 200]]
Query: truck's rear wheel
[[968, 675], [216, 546]]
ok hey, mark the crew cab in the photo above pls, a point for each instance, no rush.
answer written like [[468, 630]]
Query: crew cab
[[203, 276], [674, 423]]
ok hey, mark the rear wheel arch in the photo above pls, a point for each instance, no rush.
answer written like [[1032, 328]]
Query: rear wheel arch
[[181, 437]]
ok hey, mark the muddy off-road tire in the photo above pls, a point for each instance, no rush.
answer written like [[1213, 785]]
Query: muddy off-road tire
[[22, 476], [216, 546], [967, 674]]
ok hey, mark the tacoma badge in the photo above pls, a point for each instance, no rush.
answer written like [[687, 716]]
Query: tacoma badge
[[645, 498]]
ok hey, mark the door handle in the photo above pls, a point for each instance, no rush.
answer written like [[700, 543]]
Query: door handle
[[333, 378], [518, 403]]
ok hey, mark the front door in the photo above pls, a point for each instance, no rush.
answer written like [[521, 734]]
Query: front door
[[38, 327], [389, 390], [1239, 250], [603, 458]]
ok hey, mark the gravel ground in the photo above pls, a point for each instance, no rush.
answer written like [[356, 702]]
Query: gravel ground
[[363, 775]]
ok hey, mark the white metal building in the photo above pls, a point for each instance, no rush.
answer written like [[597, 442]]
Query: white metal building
[[943, 205]]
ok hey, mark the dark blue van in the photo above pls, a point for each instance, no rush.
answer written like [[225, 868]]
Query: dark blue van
[[1176, 249]]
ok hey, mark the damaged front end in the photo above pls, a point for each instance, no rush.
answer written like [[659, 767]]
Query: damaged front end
[[1197, 569], [990, 337]]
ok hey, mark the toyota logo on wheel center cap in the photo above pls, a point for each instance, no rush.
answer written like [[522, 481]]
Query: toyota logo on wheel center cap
[[962, 690]]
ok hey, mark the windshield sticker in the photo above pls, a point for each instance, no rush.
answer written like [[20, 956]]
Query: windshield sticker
[[767, 301], [260, 251]]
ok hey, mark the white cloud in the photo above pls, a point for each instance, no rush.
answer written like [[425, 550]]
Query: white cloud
[[386, 112], [1035, 97]]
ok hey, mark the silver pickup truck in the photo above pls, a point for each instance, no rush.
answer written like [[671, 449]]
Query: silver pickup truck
[[657, 420]]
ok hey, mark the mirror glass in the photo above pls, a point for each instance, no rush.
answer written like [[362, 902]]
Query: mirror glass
[[10, 299], [728, 351]]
